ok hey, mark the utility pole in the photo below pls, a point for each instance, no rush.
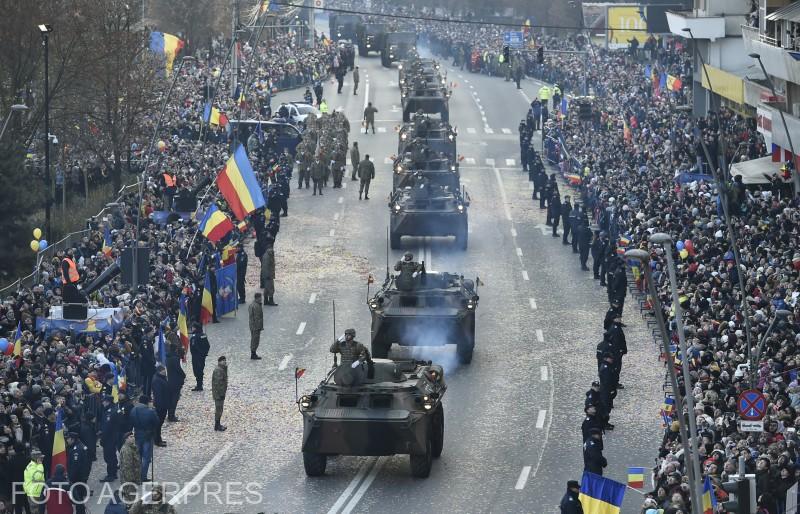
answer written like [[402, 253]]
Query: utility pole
[[45, 31], [234, 54]]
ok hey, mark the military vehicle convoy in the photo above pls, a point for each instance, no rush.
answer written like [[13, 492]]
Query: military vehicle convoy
[[437, 135], [437, 309], [371, 37], [397, 409], [440, 171], [415, 65], [422, 96], [343, 26], [428, 209], [397, 46]]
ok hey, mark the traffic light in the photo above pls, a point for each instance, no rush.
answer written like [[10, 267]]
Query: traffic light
[[741, 502], [506, 54], [540, 55]]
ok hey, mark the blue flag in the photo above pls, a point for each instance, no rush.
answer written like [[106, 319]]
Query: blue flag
[[563, 105], [226, 289], [207, 112], [662, 84], [162, 347], [648, 71]]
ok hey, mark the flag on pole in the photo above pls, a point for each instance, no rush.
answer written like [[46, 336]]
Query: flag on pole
[[673, 83], [636, 478], [206, 303], [238, 184], [564, 105], [167, 44], [626, 130], [59, 454], [709, 499], [648, 71], [215, 224], [662, 82], [600, 495], [183, 328], [18, 341], [107, 241], [115, 387], [299, 372]]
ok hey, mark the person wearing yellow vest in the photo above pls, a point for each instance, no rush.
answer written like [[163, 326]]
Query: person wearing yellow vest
[[323, 106], [33, 478], [544, 95], [69, 270]]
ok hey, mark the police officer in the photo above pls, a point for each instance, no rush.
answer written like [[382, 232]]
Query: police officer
[[109, 437], [570, 502], [241, 271], [524, 143], [618, 284], [619, 346], [409, 270], [366, 172], [608, 381], [599, 250], [593, 460], [590, 421], [593, 399], [566, 220], [350, 349], [584, 242], [78, 470], [554, 211], [199, 347]]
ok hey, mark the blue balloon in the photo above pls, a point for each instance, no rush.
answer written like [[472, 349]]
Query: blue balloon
[[3, 345], [42, 244], [679, 245]]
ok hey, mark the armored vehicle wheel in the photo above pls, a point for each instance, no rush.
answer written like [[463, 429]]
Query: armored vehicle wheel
[[464, 351], [421, 464], [380, 350], [462, 238], [394, 241], [437, 433], [362, 51], [385, 62], [314, 463]]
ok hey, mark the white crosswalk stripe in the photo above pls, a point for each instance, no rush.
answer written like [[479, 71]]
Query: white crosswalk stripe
[[506, 131], [469, 160], [488, 130], [471, 130], [490, 162], [511, 162], [381, 130]]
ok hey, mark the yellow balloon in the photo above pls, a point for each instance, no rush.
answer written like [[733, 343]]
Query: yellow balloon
[[684, 253], [35, 245], [37, 233]]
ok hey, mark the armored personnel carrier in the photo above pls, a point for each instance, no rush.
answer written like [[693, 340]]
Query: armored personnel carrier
[[396, 409], [427, 209], [438, 135], [439, 170], [429, 69], [421, 96], [437, 309]]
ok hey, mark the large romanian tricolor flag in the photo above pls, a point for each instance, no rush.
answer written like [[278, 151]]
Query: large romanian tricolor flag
[[183, 325], [636, 478], [167, 44], [238, 184], [600, 495], [206, 303], [215, 225], [59, 446]]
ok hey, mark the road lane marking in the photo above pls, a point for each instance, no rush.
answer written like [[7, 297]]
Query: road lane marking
[[364, 485], [549, 421], [285, 361], [490, 162], [471, 86], [466, 81], [366, 93], [540, 419], [336, 215], [353, 484], [513, 232], [341, 199], [525, 275], [193, 484], [523, 478], [488, 130], [519, 251], [506, 131], [511, 162], [544, 373], [344, 184], [301, 328], [533, 303], [312, 298], [471, 130], [525, 96], [381, 130], [332, 232], [469, 160], [539, 335]]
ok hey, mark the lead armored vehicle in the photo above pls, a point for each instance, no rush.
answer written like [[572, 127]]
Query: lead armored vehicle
[[436, 309], [428, 209], [396, 409]]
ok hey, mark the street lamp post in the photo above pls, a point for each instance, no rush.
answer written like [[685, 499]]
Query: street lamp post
[[14, 108], [45, 30], [795, 173], [644, 258], [779, 314], [665, 240]]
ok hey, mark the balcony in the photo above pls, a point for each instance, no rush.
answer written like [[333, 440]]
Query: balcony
[[703, 27], [779, 62]]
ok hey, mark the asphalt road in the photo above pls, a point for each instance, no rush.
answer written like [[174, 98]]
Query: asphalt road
[[512, 436]]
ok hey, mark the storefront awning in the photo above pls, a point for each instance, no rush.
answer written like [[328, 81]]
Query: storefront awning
[[753, 171]]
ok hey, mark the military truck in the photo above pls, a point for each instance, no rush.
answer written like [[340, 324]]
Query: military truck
[[397, 47], [343, 26], [438, 309], [428, 209], [370, 37], [421, 96], [437, 135], [396, 409]]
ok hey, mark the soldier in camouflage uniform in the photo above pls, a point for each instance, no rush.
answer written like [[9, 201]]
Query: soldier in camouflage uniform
[[409, 270], [350, 349], [303, 167], [156, 504], [317, 174], [339, 163], [219, 388], [130, 468]]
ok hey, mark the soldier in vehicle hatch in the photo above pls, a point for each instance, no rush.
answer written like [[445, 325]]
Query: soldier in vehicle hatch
[[350, 349], [409, 270]]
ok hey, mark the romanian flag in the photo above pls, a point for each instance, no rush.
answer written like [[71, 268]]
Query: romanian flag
[[183, 326], [600, 495], [59, 447], [215, 225], [709, 500], [238, 184], [624, 240], [666, 419], [626, 130], [669, 404], [167, 44], [266, 5], [206, 304], [229, 254], [298, 372], [18, 341], [673, 83], [636, 478], [115, 387], [107, 241]]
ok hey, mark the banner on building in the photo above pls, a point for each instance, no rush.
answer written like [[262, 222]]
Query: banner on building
[[625, 23]]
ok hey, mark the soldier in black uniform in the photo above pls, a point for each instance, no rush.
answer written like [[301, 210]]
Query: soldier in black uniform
[[584, 242], [619, 346], [108, 438], [78, 470], [618, 284], [241, 271], [593, 460], [599, 250], [575, 225], [592, 420], [199, 347], [614, 311], [593, 398], [608, 382], [524, 143], [539, 182], [566, 212], [554, 211]]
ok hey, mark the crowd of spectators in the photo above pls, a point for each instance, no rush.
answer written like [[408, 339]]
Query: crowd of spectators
[[71, 372]]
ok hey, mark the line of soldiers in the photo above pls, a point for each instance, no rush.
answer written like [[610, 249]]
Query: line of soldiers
[[323, 151]]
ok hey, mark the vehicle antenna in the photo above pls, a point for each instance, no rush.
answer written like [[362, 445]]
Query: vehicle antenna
[[335, 359]]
